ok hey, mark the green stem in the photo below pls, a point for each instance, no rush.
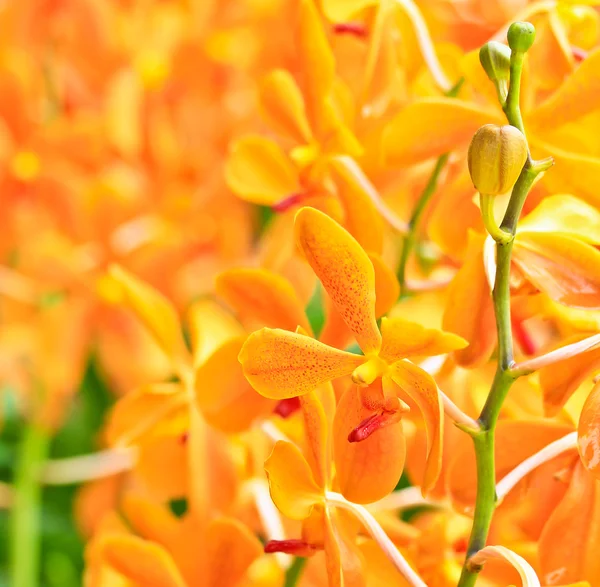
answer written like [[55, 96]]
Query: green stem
[[487, 213], [512, 108], [413, 223], [25, 511]]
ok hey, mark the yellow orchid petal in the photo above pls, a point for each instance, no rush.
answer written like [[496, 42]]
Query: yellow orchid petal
[[345, 271], [259, 171], [469, 309], [262, 298], [281, 364], [370, 469], [562, 267], [141, 561], [291, 482], [362, 220], [154, 310], [223, 394], [230, 549], [568, 543], [403, 339], [387, 288], [283, 105], [564, 214], [210, 327], [422, 389], [575, 97], [317, 62], [561, 380], [432, 126]]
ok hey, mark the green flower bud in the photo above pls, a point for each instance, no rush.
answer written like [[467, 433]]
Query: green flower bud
[[521, 36], [495, 60], [496, 156]]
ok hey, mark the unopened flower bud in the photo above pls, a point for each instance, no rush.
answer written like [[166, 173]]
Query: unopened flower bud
[[521, 36], [495, 60], [496, 156]]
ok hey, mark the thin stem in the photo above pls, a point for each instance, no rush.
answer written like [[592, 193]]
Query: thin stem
[[549, 452], [525, 570], [424, 198], [377, 533], [487, 213], [457, 415], [403, 499], [25, 511], [512, 105]]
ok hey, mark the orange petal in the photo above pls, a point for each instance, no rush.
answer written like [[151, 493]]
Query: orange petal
[[138, 412], [423, 391], [223, 394], [568, 544], [564, 214], [210, 326], [293, 487], [370, 469], [515, 442], [469, 308], [387, 288], [141, 561], [259, 171], [588, 433], [283, 105], [318, 418], [362, 220], [316, 61], [344, 10], [561, 380], [433, 126], [575, 97], [345, 271], [262, 298], [403, 339], [280, 364], [230, 549], [152, 309], [562, 267]]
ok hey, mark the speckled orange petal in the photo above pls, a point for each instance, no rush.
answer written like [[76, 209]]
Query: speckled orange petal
[[345, 271], [262, 298], [564, 214], [403, 339], [283, 105], [561, 380], [230, 549], [515, 441], [223, 394], [469, 309], [141, 561], [280, 364], [154, 310], [568, 546], [575, 97], [362, 220], [135, 414], [291, 482], [259, 171], [370, 469], [432, 126], [564, 268], [422, 389], [210, 326]]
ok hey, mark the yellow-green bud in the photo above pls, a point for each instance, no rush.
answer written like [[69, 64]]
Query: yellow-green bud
[[495, 60], [496, 156], [520, 36]]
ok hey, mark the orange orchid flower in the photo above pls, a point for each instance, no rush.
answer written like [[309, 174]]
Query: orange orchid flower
[[282, 364]]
